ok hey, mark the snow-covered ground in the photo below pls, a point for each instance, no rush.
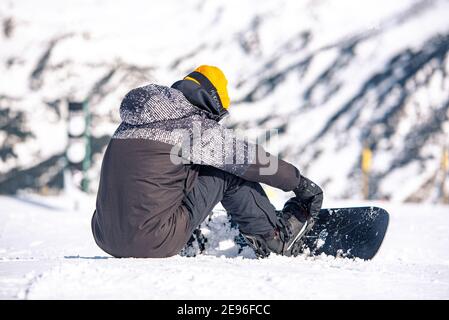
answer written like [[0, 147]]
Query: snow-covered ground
[[47, 252]]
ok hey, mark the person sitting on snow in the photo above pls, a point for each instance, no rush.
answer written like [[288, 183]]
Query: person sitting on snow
[[158, 185]]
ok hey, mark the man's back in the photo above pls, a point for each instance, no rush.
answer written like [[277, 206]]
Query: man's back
[[138, 210]]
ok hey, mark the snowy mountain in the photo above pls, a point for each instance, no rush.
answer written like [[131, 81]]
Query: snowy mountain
[[331, 76]]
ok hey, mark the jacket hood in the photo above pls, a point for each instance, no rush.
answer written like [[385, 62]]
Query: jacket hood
[[152, 103], [201, 98]]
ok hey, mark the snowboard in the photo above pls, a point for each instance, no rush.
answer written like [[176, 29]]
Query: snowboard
[[356, 232], [347, 232]]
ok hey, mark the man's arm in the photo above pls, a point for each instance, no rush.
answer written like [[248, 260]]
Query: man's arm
[[211, 144], [271, 170], [219, 147]]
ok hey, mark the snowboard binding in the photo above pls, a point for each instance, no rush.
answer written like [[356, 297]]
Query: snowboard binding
[[287, 238]]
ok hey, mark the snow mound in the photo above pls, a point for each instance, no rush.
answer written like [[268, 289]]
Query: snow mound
[[218, 237]]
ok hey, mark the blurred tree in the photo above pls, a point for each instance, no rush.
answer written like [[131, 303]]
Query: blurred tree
[[8, 27], [12, 131]]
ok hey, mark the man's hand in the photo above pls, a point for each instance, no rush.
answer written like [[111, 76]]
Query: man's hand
[[309, 195]]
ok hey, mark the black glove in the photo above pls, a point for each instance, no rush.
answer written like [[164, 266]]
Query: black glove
[[309, 195]]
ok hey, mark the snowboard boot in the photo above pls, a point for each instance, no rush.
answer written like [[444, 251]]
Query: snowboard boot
[[286, 238], [293, 208]]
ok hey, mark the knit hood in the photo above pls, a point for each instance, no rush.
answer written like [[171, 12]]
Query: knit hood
[[153, 103]]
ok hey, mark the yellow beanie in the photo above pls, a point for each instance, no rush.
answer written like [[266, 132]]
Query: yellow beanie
[[218, 80]]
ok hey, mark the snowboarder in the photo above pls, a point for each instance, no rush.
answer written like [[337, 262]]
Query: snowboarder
[[158, 185]]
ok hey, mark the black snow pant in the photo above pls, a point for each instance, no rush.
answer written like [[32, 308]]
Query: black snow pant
[[245, 201]]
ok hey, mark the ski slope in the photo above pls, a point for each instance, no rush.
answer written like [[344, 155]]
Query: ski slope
[[47, 252]]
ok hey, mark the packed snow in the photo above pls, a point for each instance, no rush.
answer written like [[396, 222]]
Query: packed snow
[[47, 252]]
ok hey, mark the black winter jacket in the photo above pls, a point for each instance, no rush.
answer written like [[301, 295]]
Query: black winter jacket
[[151, 163]]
